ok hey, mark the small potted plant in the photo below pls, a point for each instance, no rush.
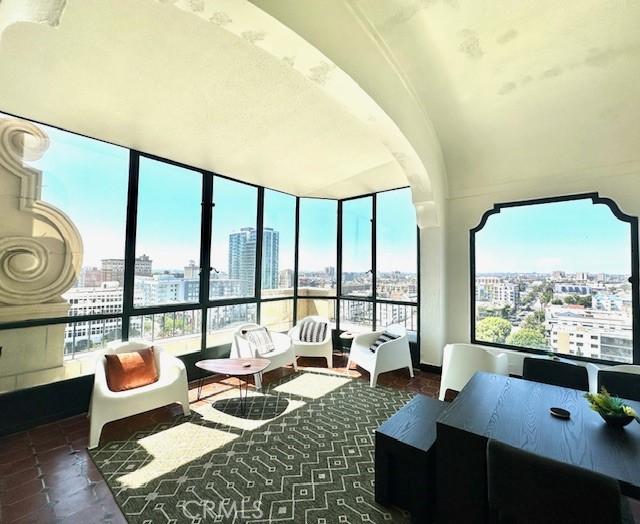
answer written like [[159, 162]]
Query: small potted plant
[[611, 409]]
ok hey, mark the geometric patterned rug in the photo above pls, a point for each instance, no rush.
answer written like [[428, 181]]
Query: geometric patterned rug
[[303, 452]]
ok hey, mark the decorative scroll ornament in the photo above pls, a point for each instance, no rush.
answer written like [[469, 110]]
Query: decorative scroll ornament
[[40, 247]]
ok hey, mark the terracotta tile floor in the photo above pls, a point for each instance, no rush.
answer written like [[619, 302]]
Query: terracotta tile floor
[[46, 474]]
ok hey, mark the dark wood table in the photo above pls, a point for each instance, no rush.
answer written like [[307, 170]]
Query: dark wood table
[[234, 367], [516, 412], [405, 458]]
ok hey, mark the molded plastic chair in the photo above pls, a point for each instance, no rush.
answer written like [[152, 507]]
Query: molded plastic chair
[[621, 381], [322, 349], [524, 488], [461, 361], [107, 405], [282, 355], [556, 373], [389, 356]]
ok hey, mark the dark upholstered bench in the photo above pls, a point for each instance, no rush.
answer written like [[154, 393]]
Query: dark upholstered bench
[[405, 458]]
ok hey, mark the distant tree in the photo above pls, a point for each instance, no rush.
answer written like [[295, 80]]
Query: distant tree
[[493, 329], [570, 299], [557, 301], [535, 321], [527, 338], [584, 300], [546, 296], [505, 311]]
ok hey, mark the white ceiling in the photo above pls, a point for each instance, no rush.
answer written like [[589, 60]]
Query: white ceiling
[[216, 84], [511, 91], [516, 90]]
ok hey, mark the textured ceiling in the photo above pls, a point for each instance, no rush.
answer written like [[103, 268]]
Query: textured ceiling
[[521, 90], [525, 90], [215, 84]]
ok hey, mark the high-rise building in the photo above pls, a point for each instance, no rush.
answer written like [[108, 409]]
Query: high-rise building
[[270, 256], [113, 268], [192, 270], [286, 279], [242, 258]]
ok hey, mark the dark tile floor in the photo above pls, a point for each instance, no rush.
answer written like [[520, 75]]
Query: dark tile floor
[[46, 474]]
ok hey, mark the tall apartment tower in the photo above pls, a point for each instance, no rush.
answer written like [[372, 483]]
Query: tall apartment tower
[[242, 258], [270, 254]]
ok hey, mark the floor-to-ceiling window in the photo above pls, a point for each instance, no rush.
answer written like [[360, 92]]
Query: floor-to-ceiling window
[[379, 270], [317, 259], [181, 257]]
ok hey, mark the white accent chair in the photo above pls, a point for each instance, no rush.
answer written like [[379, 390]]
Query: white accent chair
[[389, 356], [322, 349], [282, 355], [107, 405], [462, 361]]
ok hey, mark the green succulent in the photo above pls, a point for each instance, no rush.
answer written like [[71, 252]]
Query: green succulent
[[605, 404]]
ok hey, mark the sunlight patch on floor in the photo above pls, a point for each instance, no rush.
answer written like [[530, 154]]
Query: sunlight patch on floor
[[173, 448], [312, 385]]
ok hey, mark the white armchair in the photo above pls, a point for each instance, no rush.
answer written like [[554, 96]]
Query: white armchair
[[389, 356], [107, 405], [322, 349], [282, 355], [462, 361]]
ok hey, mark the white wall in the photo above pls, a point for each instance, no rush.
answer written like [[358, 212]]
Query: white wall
[[465, 211]]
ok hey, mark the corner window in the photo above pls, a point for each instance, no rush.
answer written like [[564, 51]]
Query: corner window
[[549, 271]]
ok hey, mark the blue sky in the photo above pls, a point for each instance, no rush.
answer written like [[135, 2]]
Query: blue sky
[[87, 179], [572, 236]]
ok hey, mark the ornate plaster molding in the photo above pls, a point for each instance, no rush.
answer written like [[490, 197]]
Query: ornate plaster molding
[[33, 269]]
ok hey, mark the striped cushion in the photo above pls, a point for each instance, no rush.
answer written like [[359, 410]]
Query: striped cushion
[[259, 340], [384, 337], [312, 331]]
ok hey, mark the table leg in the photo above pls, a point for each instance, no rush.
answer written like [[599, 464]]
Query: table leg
[[200, 384], [243, 400]]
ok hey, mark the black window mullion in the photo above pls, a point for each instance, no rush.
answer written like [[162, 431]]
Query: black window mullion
[[418, 290], [130, 242], [206, 228], [339, 265], [295, 262], [258, 266], [374, 279]]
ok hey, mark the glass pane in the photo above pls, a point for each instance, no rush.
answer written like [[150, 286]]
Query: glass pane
[[387, 314], [277, 315], [278, 244], [177, 332], [168, 234], [233, 239], [317, 307], [396, 246], [356, 247], [45, 354], [356, 316], [223, 321], [88, 181], [317, 249], [555, 277]]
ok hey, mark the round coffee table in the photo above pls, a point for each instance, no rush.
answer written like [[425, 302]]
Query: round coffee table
[[234, 367]]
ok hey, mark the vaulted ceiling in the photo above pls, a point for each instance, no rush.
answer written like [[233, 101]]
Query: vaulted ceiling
[[527, 90], [220, 85], [339, 97]]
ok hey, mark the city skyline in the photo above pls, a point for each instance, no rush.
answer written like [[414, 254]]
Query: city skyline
[[76, 169]]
